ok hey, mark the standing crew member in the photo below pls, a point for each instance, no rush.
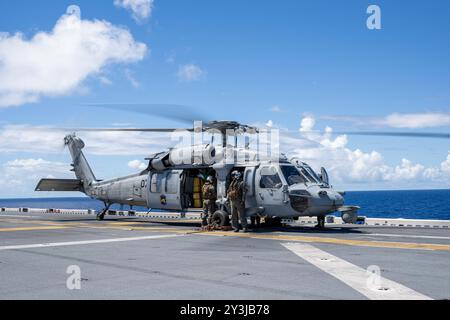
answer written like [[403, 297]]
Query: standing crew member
[[209, 201], [235, 194]]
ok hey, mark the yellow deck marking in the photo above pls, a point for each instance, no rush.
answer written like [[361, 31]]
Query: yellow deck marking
[[350, 242], [32, 228], [135, 226]]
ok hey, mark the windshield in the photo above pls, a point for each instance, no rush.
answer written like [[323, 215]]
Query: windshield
[[312, 173], [292, 175]]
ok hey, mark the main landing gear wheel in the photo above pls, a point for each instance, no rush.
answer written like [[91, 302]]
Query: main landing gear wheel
[[220, 219], [101, 216], [273, 222]]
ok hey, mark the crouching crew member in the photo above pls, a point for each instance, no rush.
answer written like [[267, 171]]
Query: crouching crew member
[[209, 201], [236, 195]]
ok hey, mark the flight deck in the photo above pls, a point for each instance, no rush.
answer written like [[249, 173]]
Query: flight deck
[[157, 257]]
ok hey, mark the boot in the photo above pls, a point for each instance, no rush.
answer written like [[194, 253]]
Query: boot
[[320, 222]]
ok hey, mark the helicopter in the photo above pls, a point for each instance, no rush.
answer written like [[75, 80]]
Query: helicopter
[[276, 188]]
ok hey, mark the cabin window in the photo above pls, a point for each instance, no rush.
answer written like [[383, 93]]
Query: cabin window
[[172, 180], [156, 186]]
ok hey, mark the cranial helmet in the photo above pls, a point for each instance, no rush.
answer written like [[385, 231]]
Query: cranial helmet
[[236, 174]]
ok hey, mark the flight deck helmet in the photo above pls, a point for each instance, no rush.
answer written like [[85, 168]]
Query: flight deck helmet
[[236, 174]]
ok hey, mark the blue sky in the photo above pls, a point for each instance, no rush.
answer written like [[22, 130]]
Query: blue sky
[[256, 61]]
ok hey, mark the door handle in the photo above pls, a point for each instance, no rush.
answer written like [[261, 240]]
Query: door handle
[[261, 196]]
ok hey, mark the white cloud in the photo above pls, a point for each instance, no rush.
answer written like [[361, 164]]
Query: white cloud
[[105, 81], [137, 165], [130, 77], [356, 167], [190, 72], [307, 124], [58, 62], [141, 9], [22, 175], [445, 166], [34, 165], [42, 140], [416, 120], [275, 109]]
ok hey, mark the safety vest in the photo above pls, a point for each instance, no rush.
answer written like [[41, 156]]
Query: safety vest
[[209, 192], [235, 191]]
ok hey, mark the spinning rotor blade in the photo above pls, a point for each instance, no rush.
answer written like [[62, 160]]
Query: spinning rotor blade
[[125, 130], [398, 134], [435, 135], [175, 112]]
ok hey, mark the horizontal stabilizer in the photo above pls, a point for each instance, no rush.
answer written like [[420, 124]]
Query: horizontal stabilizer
[[59, 185]]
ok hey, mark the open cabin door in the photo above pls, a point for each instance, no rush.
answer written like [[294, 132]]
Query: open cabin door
[[249, 179], [268, 187], [165, 190]]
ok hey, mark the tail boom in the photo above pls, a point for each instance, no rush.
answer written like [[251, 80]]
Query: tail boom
[[81, 167]]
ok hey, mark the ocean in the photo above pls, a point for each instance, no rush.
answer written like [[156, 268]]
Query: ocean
[[412, 204]]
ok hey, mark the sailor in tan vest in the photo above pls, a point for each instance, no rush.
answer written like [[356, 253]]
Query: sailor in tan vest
[[209, 201], [236, 195]]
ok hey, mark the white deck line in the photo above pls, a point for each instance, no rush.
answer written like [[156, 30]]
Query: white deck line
[[79, 243], [354, 276], [406, 236]]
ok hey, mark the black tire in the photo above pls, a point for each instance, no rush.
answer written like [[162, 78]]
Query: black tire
[[220, 219], [101, 216], [273, 222]]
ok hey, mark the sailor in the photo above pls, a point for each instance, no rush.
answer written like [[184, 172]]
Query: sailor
[[236, 195], [209, 201]]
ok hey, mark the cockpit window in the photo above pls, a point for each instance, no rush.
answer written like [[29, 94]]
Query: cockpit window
[[307, 174], [312, 173], [292, 175], [270, 181]]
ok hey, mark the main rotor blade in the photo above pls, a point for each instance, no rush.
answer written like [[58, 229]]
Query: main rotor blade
[[435, 135], [398, 134], [124, 130], [181, 113]]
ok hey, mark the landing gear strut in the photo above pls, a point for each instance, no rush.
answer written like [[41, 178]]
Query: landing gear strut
[[320, 222], [101, 215]]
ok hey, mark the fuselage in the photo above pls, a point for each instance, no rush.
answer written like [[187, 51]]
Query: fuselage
[[269, 191], [173, 181]]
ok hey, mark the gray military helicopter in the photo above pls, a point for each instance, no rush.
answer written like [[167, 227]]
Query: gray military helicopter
[[276, 188]]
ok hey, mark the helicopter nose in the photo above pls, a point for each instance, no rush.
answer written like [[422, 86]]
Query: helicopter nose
[[336, 198], [328, 200]]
